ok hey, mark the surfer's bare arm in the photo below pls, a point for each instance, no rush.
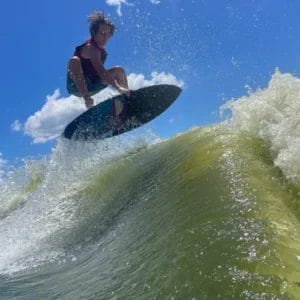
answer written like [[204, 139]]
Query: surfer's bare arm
[[108, 76]]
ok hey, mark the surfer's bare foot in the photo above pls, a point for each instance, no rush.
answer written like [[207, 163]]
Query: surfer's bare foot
[[89, 101], [127, 92]]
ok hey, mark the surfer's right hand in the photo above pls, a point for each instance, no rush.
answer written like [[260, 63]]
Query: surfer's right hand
[[89, 101]]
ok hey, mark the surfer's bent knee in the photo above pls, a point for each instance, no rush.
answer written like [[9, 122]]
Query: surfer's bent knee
[[74, 60], [117, 70]]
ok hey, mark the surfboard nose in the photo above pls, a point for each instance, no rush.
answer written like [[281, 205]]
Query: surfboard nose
[[175, 91], [167, 91]]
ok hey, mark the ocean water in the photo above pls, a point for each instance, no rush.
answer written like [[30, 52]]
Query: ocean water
[[212, 213]]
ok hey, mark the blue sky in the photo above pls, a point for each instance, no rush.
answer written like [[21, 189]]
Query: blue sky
[[216, 48]]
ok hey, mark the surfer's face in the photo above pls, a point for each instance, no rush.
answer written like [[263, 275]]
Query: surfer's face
[[103, 34]]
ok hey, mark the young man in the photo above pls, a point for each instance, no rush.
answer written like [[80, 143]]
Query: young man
[[86, 73]]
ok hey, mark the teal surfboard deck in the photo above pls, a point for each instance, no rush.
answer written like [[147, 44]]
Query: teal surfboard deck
[[142, 106]]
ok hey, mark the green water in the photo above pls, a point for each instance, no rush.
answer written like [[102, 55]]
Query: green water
[[204, 215]]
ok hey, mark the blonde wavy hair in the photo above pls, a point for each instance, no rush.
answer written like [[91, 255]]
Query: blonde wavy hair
[[96, 19]]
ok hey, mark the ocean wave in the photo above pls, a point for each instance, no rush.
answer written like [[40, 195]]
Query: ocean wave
[[150, 218], [272, 114]]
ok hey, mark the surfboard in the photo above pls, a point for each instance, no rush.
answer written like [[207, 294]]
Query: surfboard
[[120, 114]]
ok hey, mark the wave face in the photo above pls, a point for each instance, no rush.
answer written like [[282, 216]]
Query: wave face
[[209, 214]]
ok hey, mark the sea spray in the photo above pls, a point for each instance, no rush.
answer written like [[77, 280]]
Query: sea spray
[[207, 214], [272, 114], [39, 199]]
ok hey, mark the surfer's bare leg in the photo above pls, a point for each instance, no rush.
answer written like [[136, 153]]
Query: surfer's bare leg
[[76, 73], [119, 75]]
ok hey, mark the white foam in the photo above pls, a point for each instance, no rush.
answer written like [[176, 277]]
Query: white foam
[[29, 232], [273, 114]]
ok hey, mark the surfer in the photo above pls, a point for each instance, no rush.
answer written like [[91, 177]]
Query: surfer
[[86, 74]]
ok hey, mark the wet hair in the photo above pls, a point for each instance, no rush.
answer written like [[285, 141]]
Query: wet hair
[[96, 19]]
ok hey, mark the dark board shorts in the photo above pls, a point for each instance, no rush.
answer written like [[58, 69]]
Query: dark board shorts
[[94, 85]]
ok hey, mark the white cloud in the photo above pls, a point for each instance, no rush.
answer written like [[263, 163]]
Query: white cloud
[[137, 81], [118, 4], [16, 125], [155, 1], [49, 122]]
